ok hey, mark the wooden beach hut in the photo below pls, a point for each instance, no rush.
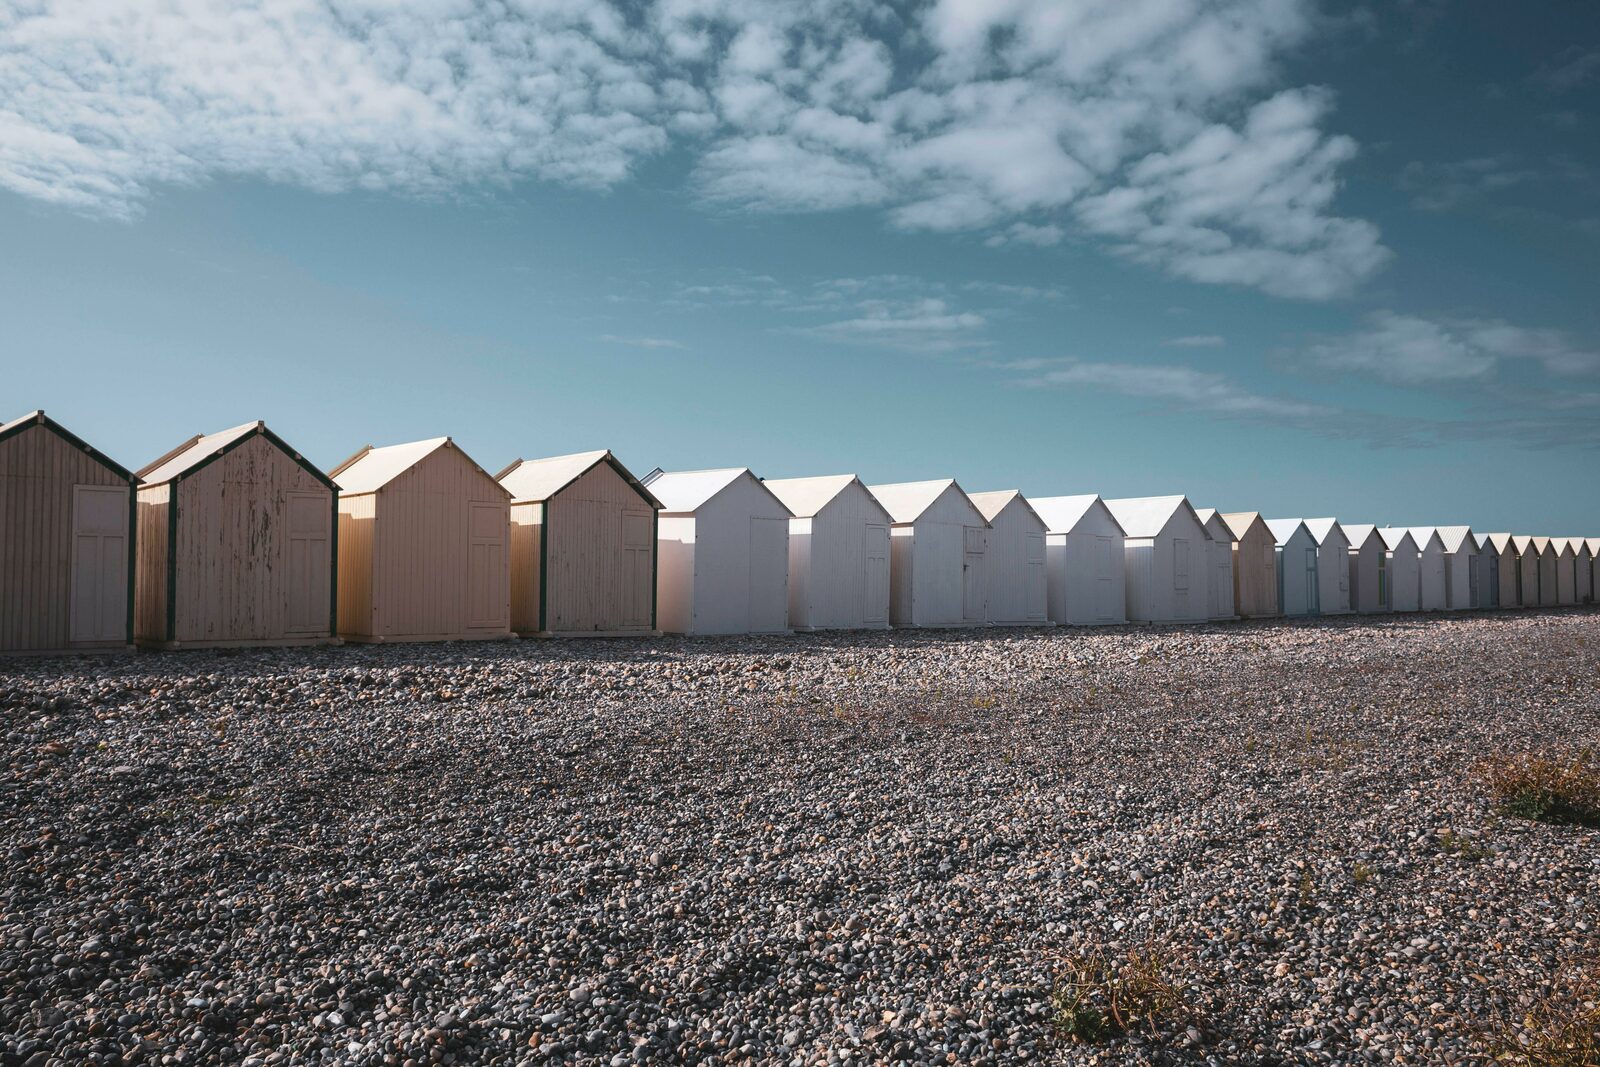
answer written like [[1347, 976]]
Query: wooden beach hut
[[1255, 565], [1544, 551], [1219, 565], [1566, 570], [1299, 583], [582, 546], [938, 554], [1369, 570], [1430, 568], [236, 544], [1404, 568], [1588, 558], [1527, 570], [1486, 571], [1084, 558], [1461, 570], [838, 553], [423, 555], [1018, 592], [1333, 565], [1165, 552], [724, 553], [1508, 580], [66, 542]]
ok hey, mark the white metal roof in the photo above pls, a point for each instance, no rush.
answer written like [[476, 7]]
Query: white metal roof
[[1500, 541], [1241, 521], [1214, 524], [1594, 544], [1563, 545], [1146, 516], [1395, 536], [683, 492], [1423, 534], [1358, 532], [193, 452], [373, 468], [807, 496], [1521, 542], [1061, 514], [31, 416], [992, 503], [1283, 530], [532, 480], [1454, 537], [1541, 544], [1321, 528], [906, 501]]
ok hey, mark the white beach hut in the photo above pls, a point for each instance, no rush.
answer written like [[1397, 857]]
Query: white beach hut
[[1527, 570], [1485, 573], [1566, 569], [1369, 569], [1084, 558], [1587, 556], [1431, 567], [838, 553], [1219, 566], [1461, 572], [722, 553], [1333, 565], [1019, 584], [1299, 586], [938, 549], [1166, 555], [1404, 568], [1545, 551]]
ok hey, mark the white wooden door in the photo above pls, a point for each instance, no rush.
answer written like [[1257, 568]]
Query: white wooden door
[[1038, 584], [875, 578], [1313, 592], [99, 563], [974, 583], [488, 595], [1180, 576], [1105, 593], [310, 520], [769, 575], [638, 540]]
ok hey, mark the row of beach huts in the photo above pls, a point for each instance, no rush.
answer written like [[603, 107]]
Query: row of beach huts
[[235, 539]]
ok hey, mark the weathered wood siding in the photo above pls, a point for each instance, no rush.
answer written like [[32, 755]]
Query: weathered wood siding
[[599, 556], [240, 579], [357, 546], [1255, 573], [150, 571], [38, 473]]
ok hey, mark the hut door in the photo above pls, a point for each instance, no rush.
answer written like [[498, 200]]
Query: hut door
[[1104, 573], [99, 563], [487, 604], [1038, 584], [638, 541], [875, 608], [973, 582], [1313, 592], [1180, 576], [769, 563], [310, 516]]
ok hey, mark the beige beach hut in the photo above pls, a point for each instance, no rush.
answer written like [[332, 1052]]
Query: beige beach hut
[[1219, 584], [1504, 570], [1255, 565], [236, 544], [1544, 550], [1527, 554], [1587, 557], [1369, 570], [422, 546], [1566, 569], [1019, 584], [583, 547], [66, 542]]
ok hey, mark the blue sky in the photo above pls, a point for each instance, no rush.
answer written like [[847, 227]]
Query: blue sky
[[1280, 256]]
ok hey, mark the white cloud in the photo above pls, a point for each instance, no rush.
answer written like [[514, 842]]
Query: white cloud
[[1206, 340], [925, 325], [1183, 387], [1029, 121], [1412, 350], [642, 342]]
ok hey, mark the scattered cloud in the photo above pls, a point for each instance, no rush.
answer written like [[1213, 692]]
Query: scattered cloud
[[1155, 127], [1184, 388], [1570, 70], [1205, 340], [927, 325], [1445, 186], [1413, 350], [642, 342]]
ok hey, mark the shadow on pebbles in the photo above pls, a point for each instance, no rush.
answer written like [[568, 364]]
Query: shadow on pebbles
[[819, 849]]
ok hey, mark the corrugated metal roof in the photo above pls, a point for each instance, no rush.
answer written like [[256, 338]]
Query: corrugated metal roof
[[373, 468], [1241, 521], [532, 480], [1321, 528], [1144, 516], [1061, 514], [1455, 536], [992, 503], [1500, 541], [906, 501], [1395, 536], [193, 452], [1423, 534], [1358, 532], [807, 496], [682, 492], [1284, 529]]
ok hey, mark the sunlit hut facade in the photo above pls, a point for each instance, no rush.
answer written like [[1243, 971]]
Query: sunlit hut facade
[[1255, 565], [938, 554], [1333, 565], [1462, 574], [1404, 568], [1430, 568], [1369, 569], [1018, 587], [1084, 558], [422, 546], [1299, 589], [1219, 564], [66, 542], [1165, 552], [838, 553], [1566, 570], [583, 547], [236, 544]]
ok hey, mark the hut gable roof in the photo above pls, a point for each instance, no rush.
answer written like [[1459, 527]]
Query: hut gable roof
[[1594, 545], [532, 480], [1241, 521], [1500, 542], [1215, 526], [1395, 536], [685, 492], [1359, 533], [1456, 538], [1321, 529], [807, 496], [370, 469], [200, 449], [1541, 545], [38, 418], [1522, 543], [1426, 535], [1564, 546], [906, 501], [1061, 514], [1147, 516], [1283, 530], [992, 503]]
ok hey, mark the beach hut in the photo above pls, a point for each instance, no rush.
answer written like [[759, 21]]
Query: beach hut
[[1509, 579], [1527, 570], [1299, 585], [1255, 565], [1369, 569], [938, 549], [1487, 572], [1588, 560], [1084, 558], [723, 551], [1566, 570], [1165, 553], [1431, 567], [1333, 565], [236, 544], [66, 541], [1544, 551], [423, 554], [1219, 565], [1461, 572], [838, 553], [1403, 566], [1018, 593], [582, 547]]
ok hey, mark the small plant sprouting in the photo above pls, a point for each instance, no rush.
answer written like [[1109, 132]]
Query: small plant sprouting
[[1467, 848], [1560, 1028], [1306, 888], [1103, 995], [985, 702], [1562, 789], [1361, 872]]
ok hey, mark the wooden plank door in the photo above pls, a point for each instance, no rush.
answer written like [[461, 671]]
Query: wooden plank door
[[1105, 594], [974, 584], [310, 524], [638, 546], [1038, 584], [875, 578], [488, 605], [99, 564]]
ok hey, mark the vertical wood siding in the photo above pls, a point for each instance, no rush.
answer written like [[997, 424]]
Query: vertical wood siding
[[600, 556], [1015, 567], [832, 584], [38, 470], [1255, 574], [357, 548], [150, 602], [527, 533]]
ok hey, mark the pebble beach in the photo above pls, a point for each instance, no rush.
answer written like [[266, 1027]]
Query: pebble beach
[[830, 848]]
